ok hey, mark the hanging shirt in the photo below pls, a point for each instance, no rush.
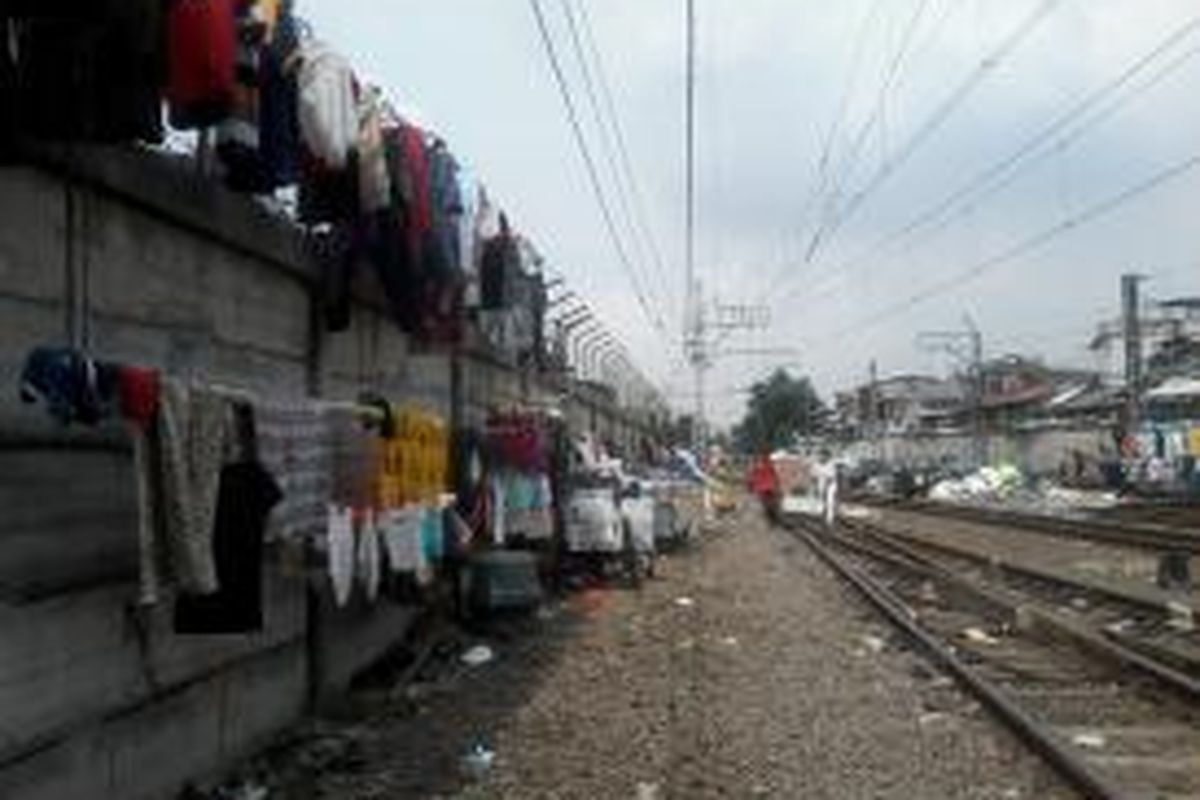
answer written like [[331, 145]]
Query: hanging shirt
[[402, 536], [375, 190]]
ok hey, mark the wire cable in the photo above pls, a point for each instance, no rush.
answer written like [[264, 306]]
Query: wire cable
[[652, 318], [1094, 212], [641, 217], [932, 124], [991, 180]]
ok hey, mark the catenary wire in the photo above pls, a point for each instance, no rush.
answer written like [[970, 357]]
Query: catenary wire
[[931, 125], [1038, 240], [993, 179], [655, 320]]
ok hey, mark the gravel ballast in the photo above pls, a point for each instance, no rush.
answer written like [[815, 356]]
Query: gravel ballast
[[745, 669]]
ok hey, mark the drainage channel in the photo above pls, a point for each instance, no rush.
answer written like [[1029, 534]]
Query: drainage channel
[[1111, 727]]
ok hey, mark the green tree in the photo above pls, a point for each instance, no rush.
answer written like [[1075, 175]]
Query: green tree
[[781, 408]]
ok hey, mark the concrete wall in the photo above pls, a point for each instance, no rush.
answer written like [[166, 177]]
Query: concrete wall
[[143, 261], [1035, 452]]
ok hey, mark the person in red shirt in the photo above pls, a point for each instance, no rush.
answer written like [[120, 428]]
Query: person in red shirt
[[764, 483]]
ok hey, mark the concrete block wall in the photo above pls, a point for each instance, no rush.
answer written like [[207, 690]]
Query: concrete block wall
[[145, 262]]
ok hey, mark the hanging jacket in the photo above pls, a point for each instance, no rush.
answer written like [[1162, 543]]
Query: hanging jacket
[[419, 219], [446, 207], [203, 50], [327, 106]]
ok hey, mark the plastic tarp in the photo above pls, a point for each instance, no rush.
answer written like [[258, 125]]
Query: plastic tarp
[[593, 524]]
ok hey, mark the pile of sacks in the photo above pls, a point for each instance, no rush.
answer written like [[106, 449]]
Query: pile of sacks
[[989, 484]]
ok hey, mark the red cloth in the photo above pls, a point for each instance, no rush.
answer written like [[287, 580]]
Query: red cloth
[[140, 390], [420, 216], [202, 47], [764, 482]]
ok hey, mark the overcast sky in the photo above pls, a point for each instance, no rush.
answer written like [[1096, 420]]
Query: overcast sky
[[924, 88]]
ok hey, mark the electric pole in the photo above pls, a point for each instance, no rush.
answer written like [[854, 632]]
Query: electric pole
[[1132, 329], [966, 347]]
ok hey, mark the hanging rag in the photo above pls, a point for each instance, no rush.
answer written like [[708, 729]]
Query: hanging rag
[[72, 386], [367, 565], [191, 438], [294, 446], [401, 530], [341, 553]]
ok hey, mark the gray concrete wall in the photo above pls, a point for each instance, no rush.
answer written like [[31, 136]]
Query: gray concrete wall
[[144, 261], [1039, 453], [147, 263]]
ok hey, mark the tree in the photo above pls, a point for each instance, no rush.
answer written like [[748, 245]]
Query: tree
[[780, 409]]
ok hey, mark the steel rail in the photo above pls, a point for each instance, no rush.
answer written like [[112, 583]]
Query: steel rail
[[1056, 752]]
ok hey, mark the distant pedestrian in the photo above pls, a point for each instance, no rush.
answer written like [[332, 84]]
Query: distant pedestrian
[[764, 483], [827, 487]]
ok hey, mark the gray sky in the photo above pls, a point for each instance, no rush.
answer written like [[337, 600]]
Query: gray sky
[[773, 75]]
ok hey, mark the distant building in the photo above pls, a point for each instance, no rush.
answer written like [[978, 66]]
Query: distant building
[[1170, 333]]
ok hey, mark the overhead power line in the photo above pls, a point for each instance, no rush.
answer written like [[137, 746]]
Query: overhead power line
[[1051, 140], [1091, 214], [641, 216], [931, 124], [607, 147], [564, 90]]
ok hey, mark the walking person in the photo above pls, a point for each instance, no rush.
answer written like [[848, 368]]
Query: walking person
[[827, 488], [764, 483]]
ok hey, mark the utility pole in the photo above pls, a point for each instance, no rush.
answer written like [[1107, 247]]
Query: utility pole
[[1131, 323], [693, 317], [966, 347]]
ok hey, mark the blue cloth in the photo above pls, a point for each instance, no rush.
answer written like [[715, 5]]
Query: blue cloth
[[433, 540], [73, 387]]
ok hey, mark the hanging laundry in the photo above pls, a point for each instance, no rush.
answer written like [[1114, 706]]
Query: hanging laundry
[[374, 183], [335, 250], [341, 553], [433, 542], [401, 529], [443, 254], [278, 121], [203, 57], [72, 386], [189, 444], [499, 267], [367, 565], [93, 73], [294, 446], [246, 496], [327, 109], [327, 106]]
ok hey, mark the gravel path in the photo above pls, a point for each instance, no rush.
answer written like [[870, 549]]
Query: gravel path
[[774, 681]]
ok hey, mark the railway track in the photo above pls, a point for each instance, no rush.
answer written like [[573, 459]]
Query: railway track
[[1158, 535], [1113, 720]]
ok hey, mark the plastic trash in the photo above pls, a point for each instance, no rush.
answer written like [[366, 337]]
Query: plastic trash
[[684, 602], [873, 643], [648, 791], [477, 656], [980, 636], [477, 761], [1089, 741]]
